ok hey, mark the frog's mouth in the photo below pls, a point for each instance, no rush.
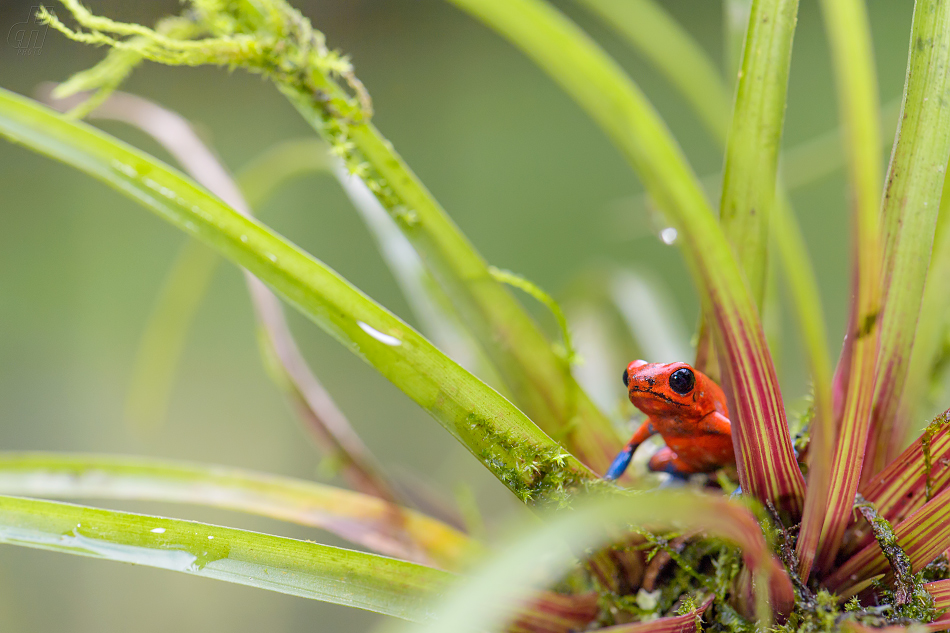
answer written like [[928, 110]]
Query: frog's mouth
[[656, 394]]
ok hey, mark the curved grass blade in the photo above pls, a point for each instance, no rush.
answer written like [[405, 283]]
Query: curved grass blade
[[299, 568], [911, 202], [839, 447], [735, 22], [940, 590], [498, 434], [767, 466], [162, 343], [486, 600], [647, 26], [322, 417], [358, 518], [751, 163], [923, 536], [523, 356]]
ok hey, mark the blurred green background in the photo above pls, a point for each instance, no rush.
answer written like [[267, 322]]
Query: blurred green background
[[531, 181]]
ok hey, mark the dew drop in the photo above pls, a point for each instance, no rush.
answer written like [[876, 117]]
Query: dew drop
[[385, 339], [158, 531], [668, 235]]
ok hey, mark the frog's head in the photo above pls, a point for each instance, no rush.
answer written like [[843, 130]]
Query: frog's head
[[667, 389]]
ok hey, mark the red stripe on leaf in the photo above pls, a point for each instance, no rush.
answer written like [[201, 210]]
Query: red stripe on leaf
[[923, 536], [901, 488]]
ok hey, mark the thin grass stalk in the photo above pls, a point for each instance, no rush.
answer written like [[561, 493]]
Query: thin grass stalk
[[911, 203], [839, 447], [735, 23], [932, 323], [755, 136]]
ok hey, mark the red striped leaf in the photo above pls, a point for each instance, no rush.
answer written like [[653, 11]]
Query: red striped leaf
[[836, 466], [923, 536], [904, 486], [549, 612], [685, 623]]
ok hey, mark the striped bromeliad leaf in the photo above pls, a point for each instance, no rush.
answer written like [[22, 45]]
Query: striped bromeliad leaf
[[839, 441], [923, 536], [909, 215], [909, 481]]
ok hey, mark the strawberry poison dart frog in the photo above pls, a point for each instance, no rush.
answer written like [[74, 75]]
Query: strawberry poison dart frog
[[685, 407]]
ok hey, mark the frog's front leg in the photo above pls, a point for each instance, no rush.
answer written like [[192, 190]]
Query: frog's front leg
[[622, 460]]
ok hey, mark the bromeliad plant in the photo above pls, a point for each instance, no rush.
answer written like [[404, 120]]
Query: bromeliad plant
[[857, 543]]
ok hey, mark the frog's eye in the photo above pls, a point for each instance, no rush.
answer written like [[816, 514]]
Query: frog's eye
[[682, 381], [626, 378]]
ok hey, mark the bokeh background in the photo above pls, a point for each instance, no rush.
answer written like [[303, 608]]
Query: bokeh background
[[530, 180]]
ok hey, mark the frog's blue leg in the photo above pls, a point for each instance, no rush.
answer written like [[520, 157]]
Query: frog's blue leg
[[620, 463], [622, 460]]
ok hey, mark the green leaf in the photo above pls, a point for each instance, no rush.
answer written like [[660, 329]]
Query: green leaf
[[533, 466], [356, 517], [299, 568], [749, 177], [767, 466], [931, 324], [911, 202], [839, 448]]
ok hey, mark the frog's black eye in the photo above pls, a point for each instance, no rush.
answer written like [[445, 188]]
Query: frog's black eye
[[682, 381], [626, 378]]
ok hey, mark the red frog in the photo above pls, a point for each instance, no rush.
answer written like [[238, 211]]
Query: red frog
[[688, 409]]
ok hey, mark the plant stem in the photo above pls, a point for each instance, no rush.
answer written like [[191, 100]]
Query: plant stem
[[911, 203], [748, 189], [839, 442]]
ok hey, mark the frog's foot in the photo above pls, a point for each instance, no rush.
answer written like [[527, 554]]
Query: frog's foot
[[666, 461], [620, 463]]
